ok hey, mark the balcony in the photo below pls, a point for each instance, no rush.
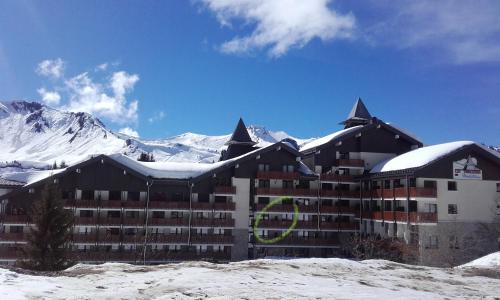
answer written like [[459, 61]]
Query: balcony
[[350, 163], [336, 178], [85, 220], [168, 238], [134, 204], [340, 226], [402, 216], [287, 192], [169, 205], [225, 190], [85, 238], [338, 209], [134, 221], [278, 175], [178, 222], [340, 194], [182, 255], [401, 192], [212, 239], [288, 208], [9, 237], [302, 241], [212, 222], [100, 256], [10, 253], [110, 221], [113, 204], [285, 224], [15, 219], [228, 206], [80, 203]]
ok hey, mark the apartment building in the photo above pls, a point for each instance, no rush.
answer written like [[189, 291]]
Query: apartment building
[[358, 179]]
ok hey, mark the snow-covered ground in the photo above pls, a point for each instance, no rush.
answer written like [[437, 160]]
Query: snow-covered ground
[[259, 279]]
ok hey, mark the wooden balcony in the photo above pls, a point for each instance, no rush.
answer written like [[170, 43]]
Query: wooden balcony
[[350, 163], [285, 224], [287, 192], [288, 208], [336, 178], [340, 194], [225, 190], [14, 219], [111, 204], [169, 205], [168, 238], [212, 239], [302, 241], [178, 222], [402, 192], [110, 221], [202, 206], [134, 204], [212, 222], [85, 221], [340, 226], [134, 221], [278, 175], [338, 209], [9, 237]]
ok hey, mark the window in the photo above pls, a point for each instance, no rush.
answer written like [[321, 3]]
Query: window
[[87, 195], [263, 167], [452, 185], [263, 200], [432, 242], [498, 187], [452, 209], [430, 208], [431, 184], [115, 195], [288, 168], [70, 195], [288, 184], [264, 183], [133, 196]]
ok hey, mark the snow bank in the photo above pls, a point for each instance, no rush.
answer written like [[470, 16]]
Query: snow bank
[[312, 278], [489, 261], [419, 157]]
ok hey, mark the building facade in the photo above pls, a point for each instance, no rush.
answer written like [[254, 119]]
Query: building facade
[[351, 181]]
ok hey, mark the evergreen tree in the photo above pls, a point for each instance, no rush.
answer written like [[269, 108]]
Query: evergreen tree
[[63, 164], [54, 165], [45, 250]]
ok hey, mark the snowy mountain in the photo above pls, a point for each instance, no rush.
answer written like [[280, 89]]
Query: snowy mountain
[[33, 135]]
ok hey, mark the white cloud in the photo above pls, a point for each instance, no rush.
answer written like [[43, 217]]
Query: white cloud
[[51, 98], [156, 117], [461, 31], [129, 131], [104, 99], [280, 24], [51, 68], [102, 67]]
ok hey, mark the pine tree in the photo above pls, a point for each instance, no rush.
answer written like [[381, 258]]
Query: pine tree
[[54, 165], [45, 250], [63, 164]]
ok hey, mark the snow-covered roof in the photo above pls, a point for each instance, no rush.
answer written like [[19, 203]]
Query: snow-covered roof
[[5, 182], [30, 177], [172, 170], [419, 157], [328, 138]]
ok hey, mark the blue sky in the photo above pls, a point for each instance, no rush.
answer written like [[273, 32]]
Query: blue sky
[[162, 68]]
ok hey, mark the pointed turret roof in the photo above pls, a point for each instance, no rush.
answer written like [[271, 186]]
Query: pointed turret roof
[[359, 115], [240, 135]]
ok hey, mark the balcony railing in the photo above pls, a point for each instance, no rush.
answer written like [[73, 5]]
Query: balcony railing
[[338, 209], [85, 221], [339, 226], [225, 190], [287, 192], [288, 208], [168, 238], [402, 216], [212, 222], [169, 205], [278, 175], [10, 253], [12, 237], [402, 192], [302, 241], [177, 222], [358, 163], [336, 178], [85, 238], [212, 239], [339, 194], [15, 219], [228, 206], [285, 224]]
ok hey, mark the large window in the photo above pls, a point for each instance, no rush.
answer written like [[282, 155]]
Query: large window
[[452, 209], [452, 185]]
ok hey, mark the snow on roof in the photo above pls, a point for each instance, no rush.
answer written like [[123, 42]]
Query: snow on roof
[[30, 176], [5, 182], [408, 133], [418, 157], [323, 140], [174, 170]]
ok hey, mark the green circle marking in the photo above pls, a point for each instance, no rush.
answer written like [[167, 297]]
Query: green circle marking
[[284, 234]]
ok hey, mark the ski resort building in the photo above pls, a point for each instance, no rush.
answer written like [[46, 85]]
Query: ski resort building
[[279, 200]]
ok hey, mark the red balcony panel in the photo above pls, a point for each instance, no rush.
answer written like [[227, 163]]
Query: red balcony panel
[[10, 253], [339, 225], [303, 241], [111, 203], [225, 190], [424, 192], [169, 222], [85, 238], [170, 205], [13, 237], [367, 215], [170, 238], [340, 194], [337, 178], [287, 192], [288, 208], [285, 224], [110, 221], [81, 203], [212, 222], [15, 219], [351, 163], [388, 193], [202, 206], [337, 209], [109, 238], [277, 175], [228, 206], [389, 215], [212, 239], [134, 204], [85, 220], [134, 221]]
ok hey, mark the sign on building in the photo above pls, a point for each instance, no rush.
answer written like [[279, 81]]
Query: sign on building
[[467, 169]]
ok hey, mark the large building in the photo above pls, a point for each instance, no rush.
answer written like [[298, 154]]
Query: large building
[[371, 178]]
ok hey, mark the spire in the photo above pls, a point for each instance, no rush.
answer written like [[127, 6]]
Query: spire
[[240, 136], [359, 115]]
